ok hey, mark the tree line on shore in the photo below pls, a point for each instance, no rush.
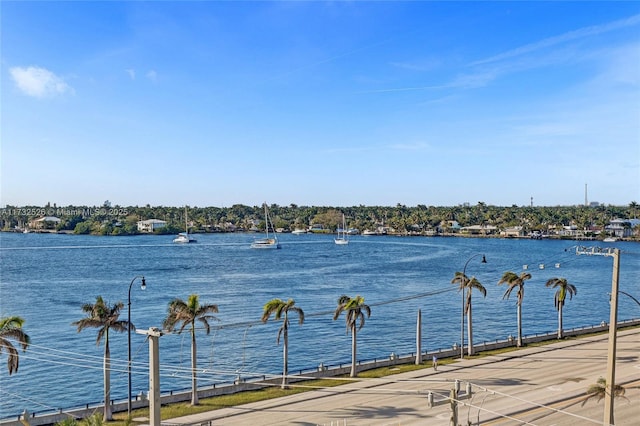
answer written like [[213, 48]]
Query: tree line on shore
[[117, 220]]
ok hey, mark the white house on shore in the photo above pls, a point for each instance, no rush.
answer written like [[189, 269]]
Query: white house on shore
[[622, 228], [479, 230], [46, 222], [150, 225], [513, 232]]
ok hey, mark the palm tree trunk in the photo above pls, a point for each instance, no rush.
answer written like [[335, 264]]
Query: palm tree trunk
[[519, 325], [194, 380], [285, 358], [107, 380], [353, 350], [560, 322], [469, 329]]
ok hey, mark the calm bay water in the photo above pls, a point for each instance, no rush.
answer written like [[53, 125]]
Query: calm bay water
[[46, 278]]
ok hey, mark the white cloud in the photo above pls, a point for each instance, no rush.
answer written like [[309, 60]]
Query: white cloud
[[424, 65], [416, 146], [563, 38], [132, 73], [152, 75], [39, 82]]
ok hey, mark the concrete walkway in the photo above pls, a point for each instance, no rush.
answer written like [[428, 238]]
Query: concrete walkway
[[536, 385]]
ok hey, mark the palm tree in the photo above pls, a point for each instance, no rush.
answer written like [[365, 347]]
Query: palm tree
[[281, 310], [599, 391], [513, 280], [465, 283], [11, 329], [564, 288], [355, 310], [188, 313], [104, 317]]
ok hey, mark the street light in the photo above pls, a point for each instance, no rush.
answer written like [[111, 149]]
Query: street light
[[464, 270], [628, 295], [143, 286]]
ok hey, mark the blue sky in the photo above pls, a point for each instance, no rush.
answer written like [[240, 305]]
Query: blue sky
[[320, 103]]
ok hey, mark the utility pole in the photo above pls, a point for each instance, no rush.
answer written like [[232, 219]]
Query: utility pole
[[154, 374], [453, 396], [419, 338], [613, 326]]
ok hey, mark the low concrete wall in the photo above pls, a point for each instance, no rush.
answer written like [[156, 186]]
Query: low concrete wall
[[254, 383]]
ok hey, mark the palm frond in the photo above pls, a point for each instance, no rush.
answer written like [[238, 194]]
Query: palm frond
[[599, 391]]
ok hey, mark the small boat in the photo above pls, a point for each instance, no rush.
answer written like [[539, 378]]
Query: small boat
[[184, 237], [368, 232], [342, 238], [269, 241], [610, 240], [299, 231]]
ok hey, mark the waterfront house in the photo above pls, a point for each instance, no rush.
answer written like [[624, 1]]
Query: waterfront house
[[317, 227], [512, 232], [150, 225], [46, 222], [479, 230], [621, 228]]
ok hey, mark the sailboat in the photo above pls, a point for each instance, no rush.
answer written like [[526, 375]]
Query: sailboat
[[342, 238], [269, 241], [184, 237]]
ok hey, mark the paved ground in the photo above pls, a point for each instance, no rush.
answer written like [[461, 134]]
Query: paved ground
[[538, 386]]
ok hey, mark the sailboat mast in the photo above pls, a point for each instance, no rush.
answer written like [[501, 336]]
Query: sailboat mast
[[266, 220]]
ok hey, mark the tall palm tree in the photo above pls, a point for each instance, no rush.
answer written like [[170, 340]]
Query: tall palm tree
[[564, 288], [187, 313], [281, 310], [468, 283], [514, 280], [105, 318], [355, 310], [11, 329]]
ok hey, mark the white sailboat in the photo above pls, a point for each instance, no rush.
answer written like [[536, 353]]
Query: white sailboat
[[184, 237], [269, 241], [342, 238]]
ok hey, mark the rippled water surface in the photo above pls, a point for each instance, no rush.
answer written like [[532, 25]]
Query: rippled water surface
[[46, 278]]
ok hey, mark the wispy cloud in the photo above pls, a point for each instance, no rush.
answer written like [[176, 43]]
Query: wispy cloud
[[152, 75], [484, 71], [417, 146], [425, 65], [403, 89], [562, 38], [39, 82], [407, 146], [132, 73]]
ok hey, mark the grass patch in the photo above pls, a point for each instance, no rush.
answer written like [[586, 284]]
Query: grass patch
[[180, 409]]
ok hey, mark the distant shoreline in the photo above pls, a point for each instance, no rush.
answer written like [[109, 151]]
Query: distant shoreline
[[389, 234]]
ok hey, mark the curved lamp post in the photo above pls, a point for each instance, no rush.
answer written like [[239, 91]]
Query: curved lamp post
[[464, 270], [143, 286], [628, 295]]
